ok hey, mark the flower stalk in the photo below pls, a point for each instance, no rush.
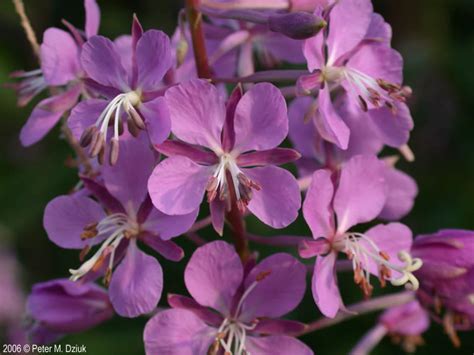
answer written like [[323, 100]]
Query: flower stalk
[[197, 35]]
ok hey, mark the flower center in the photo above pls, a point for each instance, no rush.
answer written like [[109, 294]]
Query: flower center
[[229, 182], [231, 337], [373, 93], [95, 136], [116, 226], [362, 250], [31, 83]]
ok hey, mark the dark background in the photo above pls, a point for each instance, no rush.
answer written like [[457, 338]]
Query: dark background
[[436, 38]]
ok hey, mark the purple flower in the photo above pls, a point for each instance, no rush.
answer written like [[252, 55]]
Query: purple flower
[[131, 82], [234, 309], [447, 277], [318, 153], [358, 197], [60, 69], [406, 323], [60, 306], [231, 155], [124, 216], [355, 55]]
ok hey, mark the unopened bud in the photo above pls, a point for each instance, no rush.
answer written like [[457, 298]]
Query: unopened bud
[[296, 25]]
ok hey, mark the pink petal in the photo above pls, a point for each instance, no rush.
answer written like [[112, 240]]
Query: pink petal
[[325, 290], [261, 119], [278, 326], [157, 119], [279, 199], [213, 275], [275, 156], [92, 18], [361, 193], [393, 129], [127, 179], [349, 21], [283, 48], [188, 303], [165, 248], [136, 284], [153, 59], [59, 57], [303, 134], [101, 60], [313, 52], [391, 239], [401, 193], [379, 30], [197, 113], [46, 115], [84, 115], [286, 283], [217, 209], [329, 123], [317, 206], [65, 218], [276, 345], [177, 185], [172, 148], [167, 226], [177, 332]]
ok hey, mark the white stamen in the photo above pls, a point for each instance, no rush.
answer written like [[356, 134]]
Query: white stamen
[[116, 225], [361, 253]]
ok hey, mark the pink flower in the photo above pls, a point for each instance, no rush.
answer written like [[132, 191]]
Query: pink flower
[[232, 307], [230, 152], [358, 197]]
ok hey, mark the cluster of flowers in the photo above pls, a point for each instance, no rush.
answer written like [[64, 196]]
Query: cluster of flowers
[[158, 131]]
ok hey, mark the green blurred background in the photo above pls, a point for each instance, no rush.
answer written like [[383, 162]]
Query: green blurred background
[[436, 38]]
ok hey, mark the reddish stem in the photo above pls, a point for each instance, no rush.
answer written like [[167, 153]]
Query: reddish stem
[[197, 36]]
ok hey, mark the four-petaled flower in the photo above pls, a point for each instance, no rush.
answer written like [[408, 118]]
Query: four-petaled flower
[[229, 151], [234, 309]]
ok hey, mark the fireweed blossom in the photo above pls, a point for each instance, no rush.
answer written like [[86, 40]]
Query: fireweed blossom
[[382, 251], [229, 155], [59, 307], [60, 70], [234, 310], [131, 82], [405, 325], [123, 216], [320, 154], [447, 278], [353, 57]]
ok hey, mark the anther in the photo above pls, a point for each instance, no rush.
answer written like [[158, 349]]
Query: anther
[[114, 151]]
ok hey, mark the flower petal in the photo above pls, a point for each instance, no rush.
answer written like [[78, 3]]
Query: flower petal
[[197, 113], [153, 59], [92, 18], [127, 179], [303, 134], [84, 115], [177, 332], [59, 57], [167, 226], [261, 119], [278, 201], [213, 275], [282, 48], [65, 218], [276, 345], [285, 282], [393, 129], [361, 193], [157, 119], [317, 206], [349, 21], [166, 248], [391, 239], [329, 123], [206, 314], [325, 289], [402, 190], [275, 156], [217, 209], [101, 60], [278, 326], [136, 284], [171, 148], [177, 185], [46, 115]]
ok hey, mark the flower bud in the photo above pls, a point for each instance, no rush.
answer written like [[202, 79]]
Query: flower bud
[[296, 25], [62, 306]]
